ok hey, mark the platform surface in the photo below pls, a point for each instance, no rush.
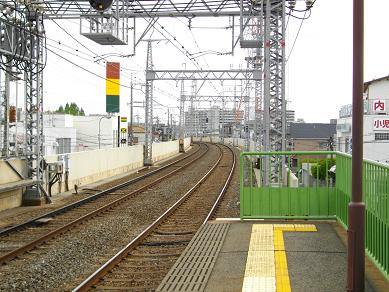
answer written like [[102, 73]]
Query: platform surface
[[260, 256]]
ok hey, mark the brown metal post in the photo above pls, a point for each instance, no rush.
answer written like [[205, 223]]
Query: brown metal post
[[356, 209]]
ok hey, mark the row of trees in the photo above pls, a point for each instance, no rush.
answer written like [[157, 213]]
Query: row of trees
[[71, 109]]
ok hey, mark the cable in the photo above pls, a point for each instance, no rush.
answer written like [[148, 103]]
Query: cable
[[295, 40], [86, 70]]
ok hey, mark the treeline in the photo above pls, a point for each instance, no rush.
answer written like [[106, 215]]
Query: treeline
[[71, 109]]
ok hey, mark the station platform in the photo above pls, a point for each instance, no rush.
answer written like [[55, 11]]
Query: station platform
[[262, 256]]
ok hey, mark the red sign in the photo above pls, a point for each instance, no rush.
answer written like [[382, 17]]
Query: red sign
[[381, 124], [379, 106]]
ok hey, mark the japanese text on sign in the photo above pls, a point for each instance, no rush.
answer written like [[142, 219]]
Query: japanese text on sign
[[379, 106], [381, 124]]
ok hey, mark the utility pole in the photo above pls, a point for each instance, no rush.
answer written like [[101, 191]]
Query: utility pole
[[171, 126], [356, 208], [168, 124]]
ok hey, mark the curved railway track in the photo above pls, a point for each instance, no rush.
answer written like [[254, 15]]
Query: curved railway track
[[24, 237], [142, 263]]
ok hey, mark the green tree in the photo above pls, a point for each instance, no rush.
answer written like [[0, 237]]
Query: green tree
[[60, 109], [71, 109]]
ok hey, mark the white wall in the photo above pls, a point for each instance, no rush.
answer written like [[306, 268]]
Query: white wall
[[90, 166], [50, 138], [187, 143], [11, 199], [378, 90], [88, 130], [164, 150]]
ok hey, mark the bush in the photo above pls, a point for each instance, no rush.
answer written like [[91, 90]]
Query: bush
[[319, 170]]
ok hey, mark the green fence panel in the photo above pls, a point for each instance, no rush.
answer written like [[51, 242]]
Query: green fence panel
[[317, 198]]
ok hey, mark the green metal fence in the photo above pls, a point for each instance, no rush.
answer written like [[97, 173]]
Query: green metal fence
[[305, 185]]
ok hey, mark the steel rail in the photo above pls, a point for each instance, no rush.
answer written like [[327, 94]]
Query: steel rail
[[110, 264], [224, 189], [31, 245], [81, 202]]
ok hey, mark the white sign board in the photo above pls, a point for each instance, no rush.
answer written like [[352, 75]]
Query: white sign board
[[381, 124], [379, 106]]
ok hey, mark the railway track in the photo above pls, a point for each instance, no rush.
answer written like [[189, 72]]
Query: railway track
[[24, 237], [142, 263]]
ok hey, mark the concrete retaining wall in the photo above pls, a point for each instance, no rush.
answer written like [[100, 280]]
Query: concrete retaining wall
[[11, 199], [187, 143], [164, 150], [90, 166], [238, 142]]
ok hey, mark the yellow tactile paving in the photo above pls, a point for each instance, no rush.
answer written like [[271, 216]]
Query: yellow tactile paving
[[278, 240], [266, 266], [282, 275], [284, 227], [260, 266], [260, 263], [305, 227]]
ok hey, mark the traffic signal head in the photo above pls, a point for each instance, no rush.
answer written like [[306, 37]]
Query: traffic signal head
[[100, 5]]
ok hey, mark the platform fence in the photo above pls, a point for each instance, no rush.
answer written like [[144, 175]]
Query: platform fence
[[316, 185]]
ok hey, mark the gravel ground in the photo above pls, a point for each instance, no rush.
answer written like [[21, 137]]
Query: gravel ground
[[229, 207], [177, 230], [82, 250], [21, 214]]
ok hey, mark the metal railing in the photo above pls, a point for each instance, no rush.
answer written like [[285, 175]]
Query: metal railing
[[316, 185]]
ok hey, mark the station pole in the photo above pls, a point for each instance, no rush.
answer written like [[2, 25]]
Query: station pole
[[356, 208]]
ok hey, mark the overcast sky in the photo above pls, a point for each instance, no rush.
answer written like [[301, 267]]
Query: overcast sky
[[318, 71]]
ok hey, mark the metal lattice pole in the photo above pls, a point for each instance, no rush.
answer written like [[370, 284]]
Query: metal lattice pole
[[2, 115], [274, 85], [6, 96], [222, 117], [182, 116], [149, 108], [192, 110], [247, 116], [34, 114]]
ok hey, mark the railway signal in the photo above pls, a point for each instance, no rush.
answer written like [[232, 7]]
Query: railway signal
[[100, 5]]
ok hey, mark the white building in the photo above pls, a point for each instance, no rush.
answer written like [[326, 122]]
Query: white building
[[59, 134], [209, 120], [375, 123], [97, 131]]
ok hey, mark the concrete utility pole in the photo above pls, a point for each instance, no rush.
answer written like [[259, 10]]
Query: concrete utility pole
[[356, 208]]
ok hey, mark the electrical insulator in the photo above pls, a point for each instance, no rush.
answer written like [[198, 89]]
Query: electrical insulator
[[292, 4], [100, 5], [309, 3]]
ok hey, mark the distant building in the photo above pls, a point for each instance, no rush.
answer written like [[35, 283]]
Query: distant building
[[290, 116], [96, 131], [209, 121], [311, 136], [375, 122], [138, 133], [59, 134]]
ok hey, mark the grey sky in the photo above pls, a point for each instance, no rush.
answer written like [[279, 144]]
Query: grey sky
[[318, 72]]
